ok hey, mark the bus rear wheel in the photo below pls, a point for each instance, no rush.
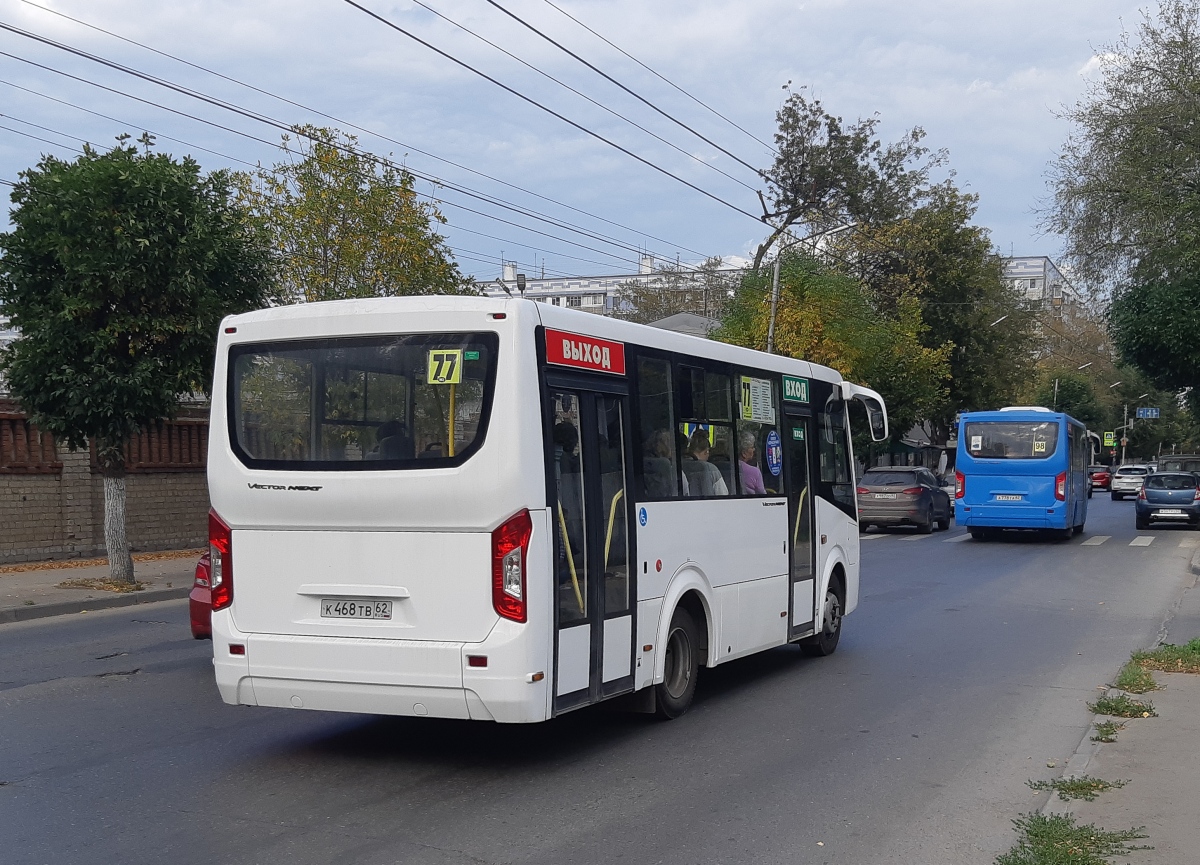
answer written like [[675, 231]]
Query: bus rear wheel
[[681, 667]]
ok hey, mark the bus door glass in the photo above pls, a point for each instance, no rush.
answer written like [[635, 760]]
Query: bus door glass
[[593, 580], [800, 523]]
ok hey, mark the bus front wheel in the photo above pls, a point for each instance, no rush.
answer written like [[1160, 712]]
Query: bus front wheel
[[681, 666], [826, 641]]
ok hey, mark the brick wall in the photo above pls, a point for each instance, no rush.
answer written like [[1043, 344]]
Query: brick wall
[[52, 499]]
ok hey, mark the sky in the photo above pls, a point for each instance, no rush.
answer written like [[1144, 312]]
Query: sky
[[983, 79]]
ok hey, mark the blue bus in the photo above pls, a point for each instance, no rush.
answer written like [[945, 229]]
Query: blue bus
[[1021, 468]]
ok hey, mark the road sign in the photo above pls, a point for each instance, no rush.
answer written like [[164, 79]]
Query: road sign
[[1148, 413], [1110, 439]]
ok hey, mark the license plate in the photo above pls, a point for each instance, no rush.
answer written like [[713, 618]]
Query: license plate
[[1008, 498], [1175, 512], [885, 495], [355, 608]]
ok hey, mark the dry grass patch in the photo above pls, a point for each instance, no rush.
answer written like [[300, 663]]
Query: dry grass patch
[[55, 564], [103, 585]]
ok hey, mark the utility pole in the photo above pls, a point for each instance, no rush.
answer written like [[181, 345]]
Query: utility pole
[[1124, 433], [1056, 394], [774, 305]]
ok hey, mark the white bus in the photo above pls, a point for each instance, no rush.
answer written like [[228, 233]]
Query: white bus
[[503, 510]]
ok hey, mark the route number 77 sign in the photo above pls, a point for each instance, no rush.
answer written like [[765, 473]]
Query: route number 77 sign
[[445, 366]]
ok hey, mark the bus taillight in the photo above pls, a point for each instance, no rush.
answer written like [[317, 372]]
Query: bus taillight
[[960, 484], [220, 550], [1060, 487], [510, 547]]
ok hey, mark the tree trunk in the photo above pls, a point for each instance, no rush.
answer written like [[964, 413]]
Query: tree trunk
[[120, 562]]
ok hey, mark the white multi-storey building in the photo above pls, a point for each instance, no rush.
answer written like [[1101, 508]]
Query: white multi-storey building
[[1038, 279], [596, 294]]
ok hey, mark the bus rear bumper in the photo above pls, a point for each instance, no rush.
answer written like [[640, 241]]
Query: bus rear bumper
[[999, 516], [415, 678]]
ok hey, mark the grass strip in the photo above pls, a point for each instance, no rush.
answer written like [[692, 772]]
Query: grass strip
[[1122, 706], [1056, 839], [1169, 658], [1083, 787], [1106, 731], [1135, 678]]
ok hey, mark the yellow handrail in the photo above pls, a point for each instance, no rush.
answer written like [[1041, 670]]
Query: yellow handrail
[[799, 514], [612, 516], [562, 525]]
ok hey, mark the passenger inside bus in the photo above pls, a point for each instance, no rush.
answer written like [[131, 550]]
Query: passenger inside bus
[[752, 479], [392, 442], [704, 478], [658, 465]]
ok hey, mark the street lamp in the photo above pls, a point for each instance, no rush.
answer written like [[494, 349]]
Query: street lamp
[[1114, 384], [997, 321], [1143, 396], [1084, 365]]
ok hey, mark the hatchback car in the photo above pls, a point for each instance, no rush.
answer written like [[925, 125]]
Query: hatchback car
[[200, 600], [902, 497], [1126, 481], [1168, 497], [1101, 476]]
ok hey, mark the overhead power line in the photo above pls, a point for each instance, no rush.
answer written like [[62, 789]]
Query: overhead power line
[[284, 127], [695, 99], [356, 127], [550, 111], [582, 95], [614, 81]]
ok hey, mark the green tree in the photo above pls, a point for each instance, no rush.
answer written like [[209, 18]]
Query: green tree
[[829, 173], [827, 318], [118, 269], [1154, 325], [1070, 391], [934, 256], [345, 223], [704, 291]]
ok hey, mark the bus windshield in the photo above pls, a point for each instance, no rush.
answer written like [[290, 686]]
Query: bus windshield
[[1012, 440], [404, 401]]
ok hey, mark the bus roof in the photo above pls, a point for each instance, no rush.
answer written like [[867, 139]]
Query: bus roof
[[1020, 413], [587, 323]]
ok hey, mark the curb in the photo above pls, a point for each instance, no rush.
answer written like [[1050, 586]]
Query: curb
[[63, 608]]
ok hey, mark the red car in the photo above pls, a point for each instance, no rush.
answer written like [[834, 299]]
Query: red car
[[1101, 477], [200, 601]]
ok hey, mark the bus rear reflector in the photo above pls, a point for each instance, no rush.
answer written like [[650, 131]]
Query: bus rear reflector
[[220, 550], [510, 548], [960, 484], [1060, 487]]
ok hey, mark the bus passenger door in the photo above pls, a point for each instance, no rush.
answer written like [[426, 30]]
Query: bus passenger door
[[593, 579], [800, 525]]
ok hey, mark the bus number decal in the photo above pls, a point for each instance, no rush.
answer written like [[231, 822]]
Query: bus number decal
[[445, 366], [585, 352]]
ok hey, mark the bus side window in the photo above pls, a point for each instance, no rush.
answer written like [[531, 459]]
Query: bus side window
[[656, 429]]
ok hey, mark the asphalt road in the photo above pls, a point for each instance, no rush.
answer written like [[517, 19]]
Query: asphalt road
[[964, 671]]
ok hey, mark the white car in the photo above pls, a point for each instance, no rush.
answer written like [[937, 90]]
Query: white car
[[1127, 481]]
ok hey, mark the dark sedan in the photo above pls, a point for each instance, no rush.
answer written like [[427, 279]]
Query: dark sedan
[[902, 497], [1169, 497]]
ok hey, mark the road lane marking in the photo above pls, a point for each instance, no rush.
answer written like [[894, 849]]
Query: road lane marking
[[869, 537], [914, 537], [954, 540], [1188, 543], [1142, 541], [1096, 540]]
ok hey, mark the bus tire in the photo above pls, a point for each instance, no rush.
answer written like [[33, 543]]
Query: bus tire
[[681, 666], [824, 643], [980, 534]]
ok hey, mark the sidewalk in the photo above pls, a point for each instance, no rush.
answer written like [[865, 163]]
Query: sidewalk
[[33, 591], [1159, 757]]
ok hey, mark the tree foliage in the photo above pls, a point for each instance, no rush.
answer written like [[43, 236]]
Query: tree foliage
[[827, 318], [829, 173], [705, 291], [1154, 324], [344, 223], [1070, 391], [118, 269], [934, 257]]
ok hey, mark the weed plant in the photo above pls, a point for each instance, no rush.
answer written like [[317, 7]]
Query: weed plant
[[1055, 839], [1122, 706], [1106, 731], [1169, 658], [1135, 679], [1083, 787]]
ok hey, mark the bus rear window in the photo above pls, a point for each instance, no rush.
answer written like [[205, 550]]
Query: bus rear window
[[1012, 440], [366, 403]]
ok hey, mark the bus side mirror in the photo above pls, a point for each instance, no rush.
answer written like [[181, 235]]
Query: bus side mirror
[[877, 418]]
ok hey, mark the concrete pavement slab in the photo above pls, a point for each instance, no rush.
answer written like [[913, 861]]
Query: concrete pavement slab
[[34, 592], [1159, 758]]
